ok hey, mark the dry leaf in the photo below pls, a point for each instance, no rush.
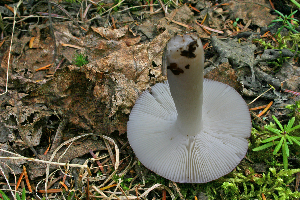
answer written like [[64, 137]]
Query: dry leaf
[[256, 10], [109, 33]]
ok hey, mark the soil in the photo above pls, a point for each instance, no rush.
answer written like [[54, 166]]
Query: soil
[[55, 109]]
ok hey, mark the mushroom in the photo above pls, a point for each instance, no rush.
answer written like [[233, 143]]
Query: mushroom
[[189, 129]]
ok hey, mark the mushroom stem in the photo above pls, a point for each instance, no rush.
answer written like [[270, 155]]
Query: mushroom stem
[[185, 64]]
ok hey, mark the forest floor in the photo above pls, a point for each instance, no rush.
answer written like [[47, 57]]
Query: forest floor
[[71, 74]]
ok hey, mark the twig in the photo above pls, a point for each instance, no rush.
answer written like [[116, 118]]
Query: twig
[[43, 68], [164, 196], [258, 108], [272, 5], [271, 87], [64, 185], [54, 153], [136, 7], [178, 190], [109, 178], [113, 7], [52, 33], [19, 180], [117, 151], [42, 161], [118, 186], [123, 192], [98, 162], [70, 17], [203, 23], [156, 186], [163, 7], [110, 152], [180, 24], [17, 155], [151, 7], [7, 182], [35, 16], [85, 12], [9, 54], [26, 179], [213, 30], [59, 64], [58, 135], [265, 110], [292, 92], [99, 191]]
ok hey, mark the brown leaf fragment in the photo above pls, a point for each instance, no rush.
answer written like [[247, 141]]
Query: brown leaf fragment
[[111, 33], [297, 181], [100, 95], [34, 42], [15, 165], [4, 62], [178, 17], [1, 43], [225, 74], [24, 121], [258, 11], [44, 67], [132, 41], [31, 42]]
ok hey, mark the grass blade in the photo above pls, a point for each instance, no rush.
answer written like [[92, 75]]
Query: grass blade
[[271, 139], [4, 195], [289, 138], [295, 140], [292, 13], [18, 196], [24, 194], [285, 158], [277, 20], [278, 123], [264, 146], [296, 3], [294, 128], [278, 146], [274, 130], [279, 13], [286, 148], [290, 124]]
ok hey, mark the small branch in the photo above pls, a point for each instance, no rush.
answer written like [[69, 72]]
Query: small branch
[[163, 7], [42, 161], [11, 40], [52, 32]]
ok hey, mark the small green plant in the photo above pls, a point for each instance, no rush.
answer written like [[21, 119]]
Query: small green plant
[[296, 3], [80, 60], [101, 8], [290, 41], [124, 181], [235, 22], [295, 111], [72, 1], [273, 185], [285, 22], [5, 197], [294, 107], [285, 139], [238, 185], [118, 4]]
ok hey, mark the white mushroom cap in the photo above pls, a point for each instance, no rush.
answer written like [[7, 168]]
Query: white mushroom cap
[[211, 152]]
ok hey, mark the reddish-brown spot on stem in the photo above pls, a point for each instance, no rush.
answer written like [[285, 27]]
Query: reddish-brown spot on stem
[[190, 52], [175, 69]]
